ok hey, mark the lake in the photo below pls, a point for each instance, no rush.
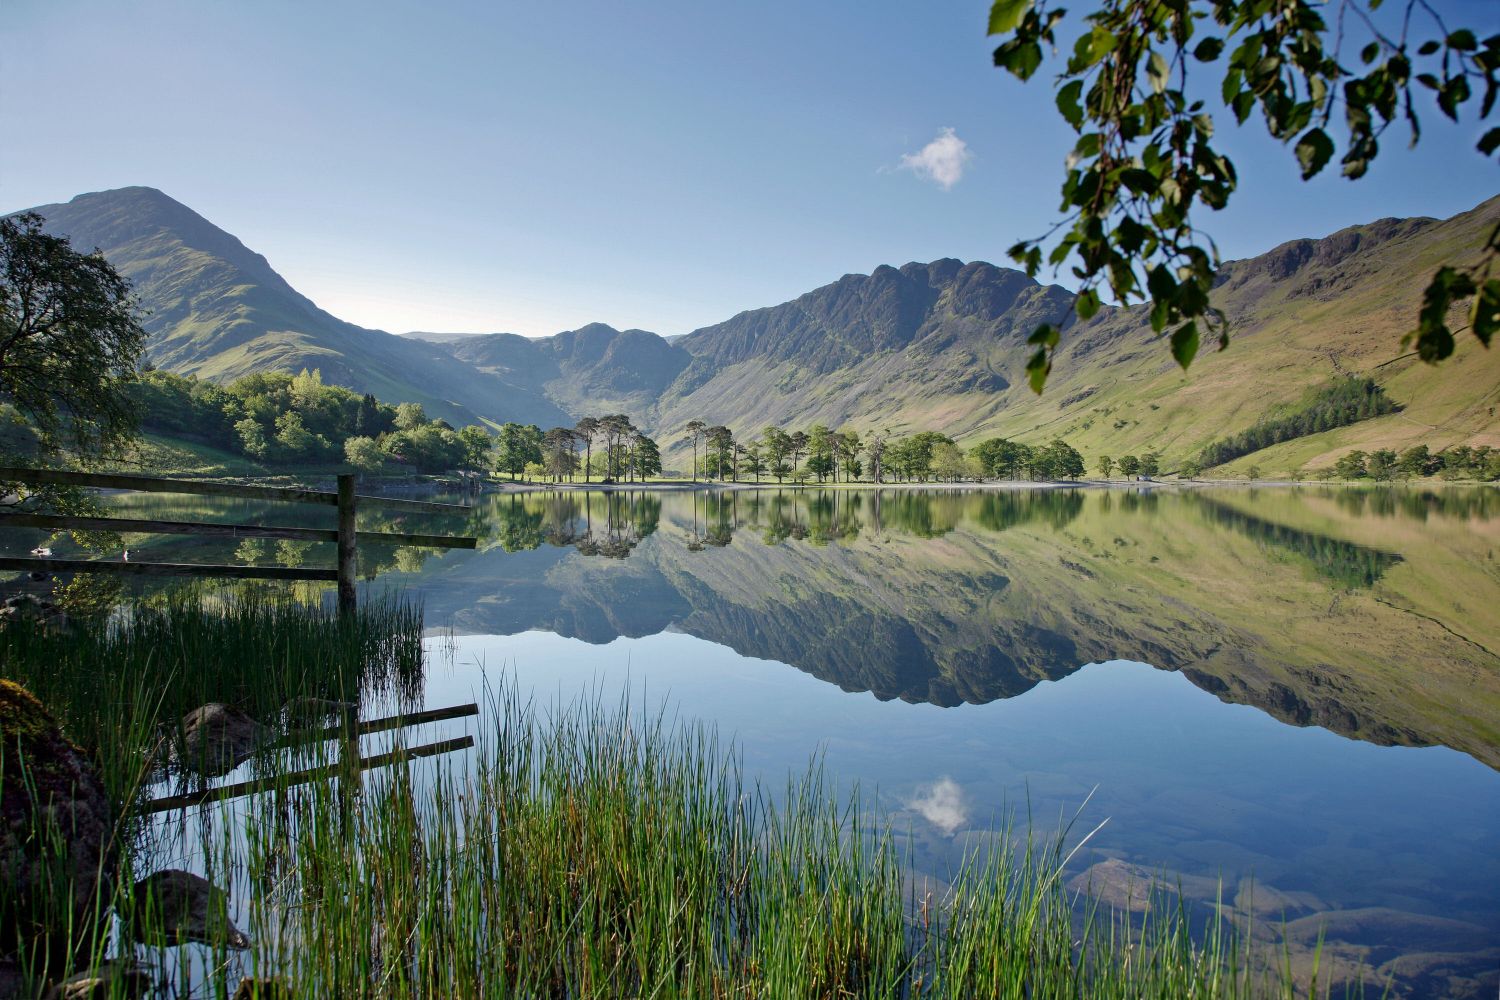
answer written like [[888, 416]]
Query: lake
[[1284, 701]]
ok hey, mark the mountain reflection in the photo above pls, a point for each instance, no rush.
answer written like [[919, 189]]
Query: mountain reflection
[[1297, 602]]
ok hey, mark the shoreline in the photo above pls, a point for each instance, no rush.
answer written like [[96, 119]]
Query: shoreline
[[1007, 485]]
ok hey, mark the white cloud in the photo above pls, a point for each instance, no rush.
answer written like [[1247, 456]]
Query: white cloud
[[942, 804], [942, 160]]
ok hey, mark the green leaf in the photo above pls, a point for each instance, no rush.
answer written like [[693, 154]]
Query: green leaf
[[1209, 49], [1087, 304], [1484, 316], [1006, 14], [1068, 104], [1037, 370], [1463, 39], [1314, 150], [1428, 48], [1185, 343], [1046, 335], [1369, 53], [1021, 58], [1158, 71], [1490, 141]]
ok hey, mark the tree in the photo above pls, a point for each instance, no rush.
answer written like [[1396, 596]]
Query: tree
[[558, 455], [875, 449], [848, 445], [1130, 466], [586, 430], [799, 445], [1151, 464], [1382, 465], [252, 437], [721, 447], [647, 457], [617, 431], [518, 446], [1106, 466], [1351, 465], [947, 462], [695, 429], [364, 454], [69, 341], [776, 444], [1145, 157], [295, 440], [476, 444], [1189, 469], [1415, 461], [410, 416]]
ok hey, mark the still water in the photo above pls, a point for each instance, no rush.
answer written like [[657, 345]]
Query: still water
[[1286, 700]]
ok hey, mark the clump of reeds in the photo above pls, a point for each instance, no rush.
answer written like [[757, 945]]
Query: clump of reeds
[[119, 684], [594, 854]]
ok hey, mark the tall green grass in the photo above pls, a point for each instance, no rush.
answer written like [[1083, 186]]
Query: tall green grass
[[597, 854], [120, 683]]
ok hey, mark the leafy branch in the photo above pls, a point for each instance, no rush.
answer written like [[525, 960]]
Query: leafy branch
[[1145, 158]]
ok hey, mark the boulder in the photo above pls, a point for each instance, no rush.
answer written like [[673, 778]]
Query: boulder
[[218, 738], [173, 907], [56, 826]]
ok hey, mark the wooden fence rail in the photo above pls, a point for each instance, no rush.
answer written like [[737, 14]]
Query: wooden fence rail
[[346, 535]]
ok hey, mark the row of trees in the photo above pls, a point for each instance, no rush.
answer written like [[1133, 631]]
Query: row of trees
[[1384, 465], [1337, 404], [825, 455], [625, 453]]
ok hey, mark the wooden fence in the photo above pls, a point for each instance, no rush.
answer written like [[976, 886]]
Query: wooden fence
[[346, 535]]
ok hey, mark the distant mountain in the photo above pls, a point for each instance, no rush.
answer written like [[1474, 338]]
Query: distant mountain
[[940, 345], [219, 311]]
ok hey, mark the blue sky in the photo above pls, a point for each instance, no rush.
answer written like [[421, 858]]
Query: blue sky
[[533, 167]]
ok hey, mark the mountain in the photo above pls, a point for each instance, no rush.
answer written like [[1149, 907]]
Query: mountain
[[939, 345], [218, 310], [943, 345], [595, 369]]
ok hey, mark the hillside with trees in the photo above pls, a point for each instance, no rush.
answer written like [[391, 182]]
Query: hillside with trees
[[939, 347]]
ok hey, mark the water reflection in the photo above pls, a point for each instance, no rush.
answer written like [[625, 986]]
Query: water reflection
[[1280, 600]]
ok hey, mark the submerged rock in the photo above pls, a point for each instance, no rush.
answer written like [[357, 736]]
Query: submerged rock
[[112, 980], [217, 738], [1132, 888], [173, 907], [56, 826]]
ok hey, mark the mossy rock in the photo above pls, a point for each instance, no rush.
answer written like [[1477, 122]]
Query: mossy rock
[[56, 825]]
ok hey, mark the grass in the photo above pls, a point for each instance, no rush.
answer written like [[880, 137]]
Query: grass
[[595, 853]]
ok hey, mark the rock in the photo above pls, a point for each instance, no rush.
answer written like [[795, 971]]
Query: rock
[[56, 826], [112, 980], [173, 907], [1131, 888], [218, 738]]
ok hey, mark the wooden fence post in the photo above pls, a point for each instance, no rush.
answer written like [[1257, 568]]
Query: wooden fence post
[[348, 553]]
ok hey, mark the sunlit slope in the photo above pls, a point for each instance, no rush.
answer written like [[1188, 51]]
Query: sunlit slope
[[1307, 312]]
